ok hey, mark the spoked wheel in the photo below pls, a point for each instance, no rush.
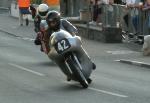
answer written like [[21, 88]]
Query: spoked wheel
[[77, 70]]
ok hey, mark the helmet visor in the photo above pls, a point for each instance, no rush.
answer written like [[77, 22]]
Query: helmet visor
[[52, 23], [43, 13]]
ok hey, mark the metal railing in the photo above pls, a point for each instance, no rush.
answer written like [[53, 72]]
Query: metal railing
[[113, 16]]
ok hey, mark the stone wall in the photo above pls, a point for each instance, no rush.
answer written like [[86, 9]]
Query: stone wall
[[103, 34]]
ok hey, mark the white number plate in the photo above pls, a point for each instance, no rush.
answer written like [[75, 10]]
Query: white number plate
[[62, 46]]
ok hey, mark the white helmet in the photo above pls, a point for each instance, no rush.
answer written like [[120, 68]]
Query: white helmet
[[42, 10], [43, 25]]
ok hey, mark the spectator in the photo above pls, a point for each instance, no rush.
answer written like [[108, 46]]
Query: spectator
[[106, 1], [96, 11], [135, 5], [122, 2], [126, 15], [33, 10], [23, 10], [111, 2], [146, 8], [110, 16], [117, 1]]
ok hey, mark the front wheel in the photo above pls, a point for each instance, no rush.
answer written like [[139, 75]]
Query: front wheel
[[76, 68]]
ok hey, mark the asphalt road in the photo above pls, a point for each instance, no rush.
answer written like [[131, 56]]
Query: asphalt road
[[28, 76]]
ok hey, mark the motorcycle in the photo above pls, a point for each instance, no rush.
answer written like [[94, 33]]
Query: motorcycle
[[43, 37], [68, 53]]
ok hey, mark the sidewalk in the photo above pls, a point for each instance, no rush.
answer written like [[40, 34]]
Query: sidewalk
[[10, 25]]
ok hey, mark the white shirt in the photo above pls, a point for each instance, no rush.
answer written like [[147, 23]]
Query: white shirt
[[133, 1], [130, 1], [105, 1]]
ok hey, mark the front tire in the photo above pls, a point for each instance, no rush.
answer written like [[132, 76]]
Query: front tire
[[73, 64]]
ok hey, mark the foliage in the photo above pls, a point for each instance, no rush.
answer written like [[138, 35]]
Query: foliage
[[36, 1]]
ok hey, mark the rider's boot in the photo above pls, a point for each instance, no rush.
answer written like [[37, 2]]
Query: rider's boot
[[37, 40], [68, 78], [89, 80], [41, 49]]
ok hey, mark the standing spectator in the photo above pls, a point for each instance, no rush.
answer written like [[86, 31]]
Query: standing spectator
[[23, 10], [110, 15], [123, 2], [96, 11], [135, 5], [33, 10], [118, 1], [126, 15], [146, 8]]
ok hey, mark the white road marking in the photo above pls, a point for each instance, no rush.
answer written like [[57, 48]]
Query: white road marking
[[102, 91], [25, 38], [25, 69], [30, 39], [107, 92], [116, 52], [90, 88]]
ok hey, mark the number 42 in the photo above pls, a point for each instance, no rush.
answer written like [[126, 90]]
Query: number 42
[[62, 45]]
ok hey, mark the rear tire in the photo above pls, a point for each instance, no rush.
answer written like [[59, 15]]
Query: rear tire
[[89, 80]]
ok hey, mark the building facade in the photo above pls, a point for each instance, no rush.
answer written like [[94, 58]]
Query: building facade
[[73, 7]]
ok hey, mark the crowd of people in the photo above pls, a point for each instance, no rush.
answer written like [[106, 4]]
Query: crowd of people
[[132, 5]]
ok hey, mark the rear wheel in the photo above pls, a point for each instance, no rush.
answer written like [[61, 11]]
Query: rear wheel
[[89, 80], [75, 66]]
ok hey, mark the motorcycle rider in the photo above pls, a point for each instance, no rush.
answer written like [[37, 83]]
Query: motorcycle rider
[[42, 11], [55, 23]]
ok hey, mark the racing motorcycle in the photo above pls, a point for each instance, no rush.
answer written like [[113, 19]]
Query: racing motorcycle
[[67, 52], [42, 36]]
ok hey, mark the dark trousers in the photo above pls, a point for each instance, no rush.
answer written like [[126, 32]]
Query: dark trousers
[[96, 11]]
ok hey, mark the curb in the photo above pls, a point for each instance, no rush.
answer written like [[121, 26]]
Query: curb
[[11, 34], [8, 32], [137, 63]]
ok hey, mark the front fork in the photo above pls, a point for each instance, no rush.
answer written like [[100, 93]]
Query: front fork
[[72, 55]]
